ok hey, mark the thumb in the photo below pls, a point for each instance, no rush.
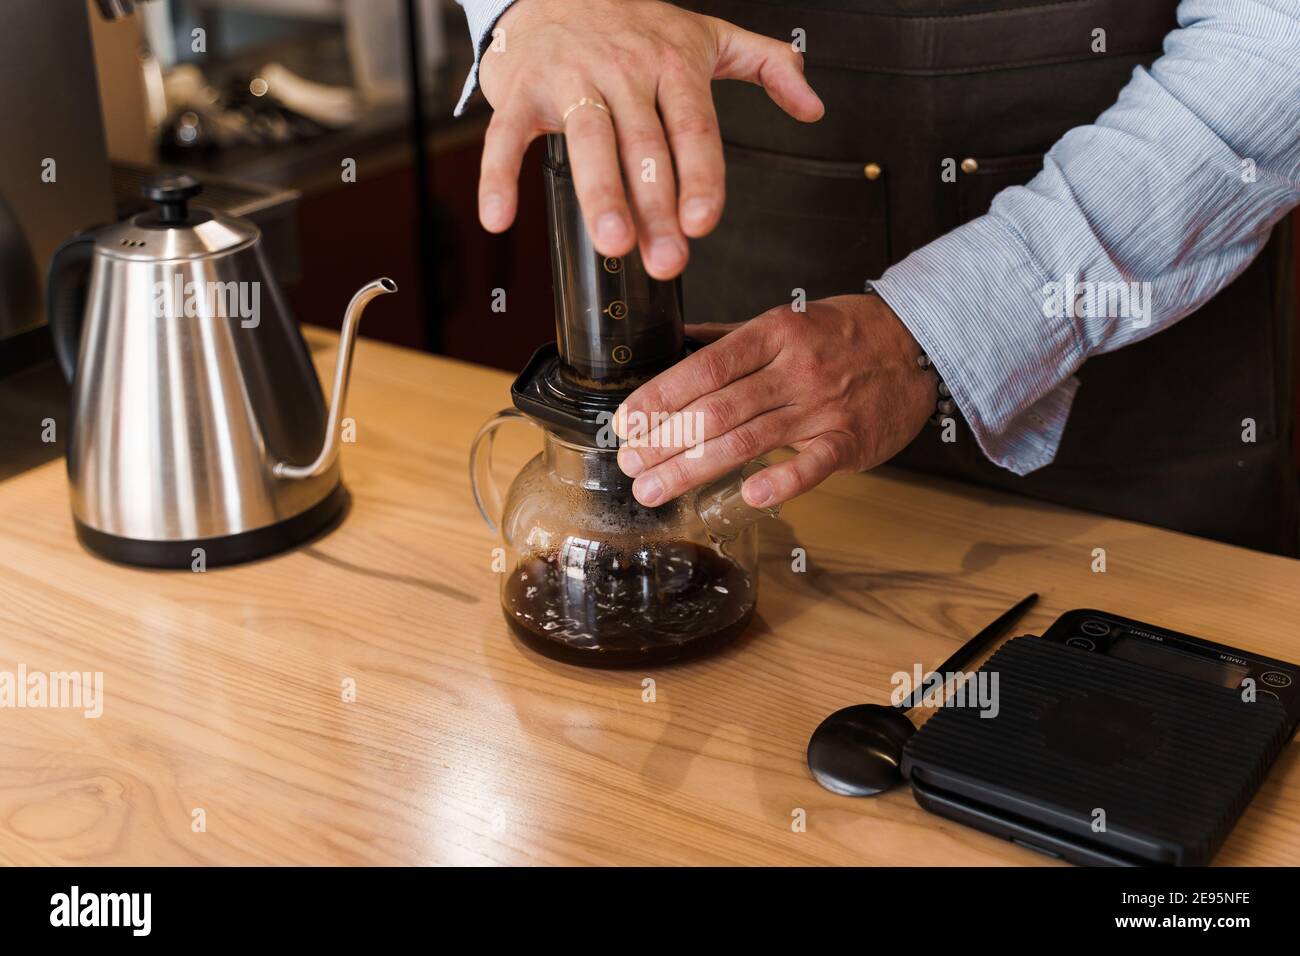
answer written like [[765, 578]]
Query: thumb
[[771, 64]]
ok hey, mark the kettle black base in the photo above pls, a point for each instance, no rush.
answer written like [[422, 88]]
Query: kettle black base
[[244, 546]]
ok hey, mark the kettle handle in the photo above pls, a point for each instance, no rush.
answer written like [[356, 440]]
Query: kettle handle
[[66, 286], [486, 493]]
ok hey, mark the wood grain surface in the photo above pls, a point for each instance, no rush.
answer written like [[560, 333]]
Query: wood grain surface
[[223, 691]]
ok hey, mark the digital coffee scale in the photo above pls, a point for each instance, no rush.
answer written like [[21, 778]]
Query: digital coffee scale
[[1114, 743]]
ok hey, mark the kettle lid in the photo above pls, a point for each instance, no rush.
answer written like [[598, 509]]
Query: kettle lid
[[175, 229], [172, 192]]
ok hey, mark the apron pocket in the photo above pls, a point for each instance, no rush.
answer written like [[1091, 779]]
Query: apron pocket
[[980, 178], [790, 223]]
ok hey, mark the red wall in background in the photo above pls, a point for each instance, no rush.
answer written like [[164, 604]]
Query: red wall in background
[[363, 230], [474, 263]]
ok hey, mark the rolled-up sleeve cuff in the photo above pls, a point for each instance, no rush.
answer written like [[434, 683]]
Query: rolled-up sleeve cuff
[[482, 17], [974, 300]]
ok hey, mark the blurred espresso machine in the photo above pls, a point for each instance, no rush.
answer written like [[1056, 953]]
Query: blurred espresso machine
[[55, 180]]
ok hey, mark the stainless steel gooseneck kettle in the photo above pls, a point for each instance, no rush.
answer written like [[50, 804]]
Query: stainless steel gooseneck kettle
[[197, 420]]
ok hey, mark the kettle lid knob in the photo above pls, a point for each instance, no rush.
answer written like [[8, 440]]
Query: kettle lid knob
[[171, 191]]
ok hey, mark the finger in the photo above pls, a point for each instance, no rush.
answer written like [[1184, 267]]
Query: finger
[[504, 145], [704, 419], [710, 369], [648, 173], [686, 105], [682, 472], [711, 331], [598, 181], [821, 457], [772, 64]]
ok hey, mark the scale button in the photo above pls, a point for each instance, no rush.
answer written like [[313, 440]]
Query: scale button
[[1095, 628], [1267, 693], [1083, 642], [1275, 679]]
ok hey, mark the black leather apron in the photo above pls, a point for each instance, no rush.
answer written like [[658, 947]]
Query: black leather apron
[[1156, 428]]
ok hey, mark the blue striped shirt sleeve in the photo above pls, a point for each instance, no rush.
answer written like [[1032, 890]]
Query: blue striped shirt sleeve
[[1175, 188], [482, 16]]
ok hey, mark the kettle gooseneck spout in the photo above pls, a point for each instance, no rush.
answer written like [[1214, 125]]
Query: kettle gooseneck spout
[[342, 374]]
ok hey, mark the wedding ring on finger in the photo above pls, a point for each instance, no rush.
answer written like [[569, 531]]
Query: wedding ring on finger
[[585, 101]]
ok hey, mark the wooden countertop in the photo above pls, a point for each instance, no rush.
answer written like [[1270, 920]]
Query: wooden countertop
[[223, 689]]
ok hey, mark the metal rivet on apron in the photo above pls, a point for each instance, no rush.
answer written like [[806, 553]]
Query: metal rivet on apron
[[871, 170], [969, 165]]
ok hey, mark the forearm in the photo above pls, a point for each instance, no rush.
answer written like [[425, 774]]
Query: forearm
[[481, 16], [1174, 188]]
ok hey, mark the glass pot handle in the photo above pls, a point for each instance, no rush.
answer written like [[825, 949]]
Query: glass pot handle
[[722, 509], [486, 493]]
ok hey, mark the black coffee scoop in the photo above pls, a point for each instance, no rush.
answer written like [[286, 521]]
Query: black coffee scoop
[[856, 751]]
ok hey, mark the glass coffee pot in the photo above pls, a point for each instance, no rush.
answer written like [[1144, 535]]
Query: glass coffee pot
[[594, 577], [591, 576]]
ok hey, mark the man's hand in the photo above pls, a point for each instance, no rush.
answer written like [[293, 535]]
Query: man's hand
[[651, 64], [840, 383]]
